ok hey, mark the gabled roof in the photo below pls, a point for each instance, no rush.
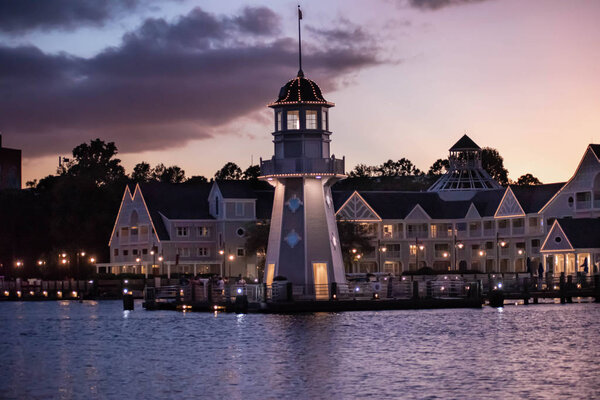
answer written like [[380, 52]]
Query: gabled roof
[[487, 201], [241, 189], [175, 201], [397, 205], [533, 198], [465, 143], [583, 233], [596, 149]]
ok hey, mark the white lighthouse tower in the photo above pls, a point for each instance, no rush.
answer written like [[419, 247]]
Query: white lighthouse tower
[[303, 245]]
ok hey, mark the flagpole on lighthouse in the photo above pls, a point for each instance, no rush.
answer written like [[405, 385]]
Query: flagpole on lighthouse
[[300, 72]]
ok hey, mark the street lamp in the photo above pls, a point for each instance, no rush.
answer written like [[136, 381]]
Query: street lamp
[[19, 263], [231, 258], [222, 254]]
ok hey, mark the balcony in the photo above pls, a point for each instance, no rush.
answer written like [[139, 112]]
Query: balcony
[[302, 166]]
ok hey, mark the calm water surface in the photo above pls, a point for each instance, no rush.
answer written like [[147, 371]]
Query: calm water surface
[[95, 350]]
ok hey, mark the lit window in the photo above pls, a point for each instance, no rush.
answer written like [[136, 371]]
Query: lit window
[[203, 231], [293, 119], [241, 252], [388, 231], [311, 119], [278, 127]]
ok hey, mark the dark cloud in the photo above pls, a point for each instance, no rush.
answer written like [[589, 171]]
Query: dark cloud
[[437, 4], [167, 83], [24, 15]]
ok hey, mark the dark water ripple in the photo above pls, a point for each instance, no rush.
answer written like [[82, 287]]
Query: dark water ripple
[[94, 350]]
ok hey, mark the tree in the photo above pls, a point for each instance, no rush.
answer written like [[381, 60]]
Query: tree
[[172, 174], [353, 236], [142, 173], [197, 179], [251, 173], [362, 171], [527, 180], [257, 238], [402, 167], [96, 161], [230, 171], [493, 163], [439, 167]]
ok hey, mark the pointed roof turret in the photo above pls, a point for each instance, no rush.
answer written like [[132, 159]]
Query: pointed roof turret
[[465, 143]]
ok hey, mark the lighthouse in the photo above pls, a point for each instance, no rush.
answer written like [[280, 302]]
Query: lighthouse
[[304, 245]]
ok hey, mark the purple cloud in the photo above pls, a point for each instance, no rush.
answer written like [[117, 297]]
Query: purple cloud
[[166, 83]]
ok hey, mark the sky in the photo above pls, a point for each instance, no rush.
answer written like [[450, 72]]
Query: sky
[[186, 83]]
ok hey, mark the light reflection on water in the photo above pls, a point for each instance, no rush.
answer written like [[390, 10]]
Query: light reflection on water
[[95, 350]]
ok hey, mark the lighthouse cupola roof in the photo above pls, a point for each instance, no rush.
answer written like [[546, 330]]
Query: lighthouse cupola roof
[[300, 90]]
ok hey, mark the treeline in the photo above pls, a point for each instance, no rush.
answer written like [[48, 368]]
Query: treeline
[[491, 161]]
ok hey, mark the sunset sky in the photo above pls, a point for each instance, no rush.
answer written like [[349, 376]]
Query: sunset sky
[[187, 82]]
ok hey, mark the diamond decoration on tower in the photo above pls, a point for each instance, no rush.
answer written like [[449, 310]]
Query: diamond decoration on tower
[[294, 203], [292, 238]]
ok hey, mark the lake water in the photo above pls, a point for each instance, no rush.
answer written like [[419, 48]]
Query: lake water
[[95, 350]]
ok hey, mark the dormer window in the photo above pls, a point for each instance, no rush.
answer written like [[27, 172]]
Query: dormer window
[[293, 120], [311, 119]]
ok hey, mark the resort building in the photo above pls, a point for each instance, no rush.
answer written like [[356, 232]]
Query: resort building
[[187, 228], [197, 228]]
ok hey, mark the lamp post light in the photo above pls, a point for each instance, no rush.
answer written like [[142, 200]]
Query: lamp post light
[[418, 247], [382, 249], [79, 254], [231, 258], [499, 244], [222, 254]]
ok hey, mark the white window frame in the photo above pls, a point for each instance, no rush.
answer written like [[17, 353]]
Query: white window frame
[[293, 123], [239, 209], [311, 123], [182, 231]]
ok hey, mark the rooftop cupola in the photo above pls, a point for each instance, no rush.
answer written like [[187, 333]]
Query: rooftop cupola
[[465, 172]]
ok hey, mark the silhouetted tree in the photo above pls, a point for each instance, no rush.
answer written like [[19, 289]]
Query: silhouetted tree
[[229, 171], [251, 173], [362, 171], [172, 174], [257, 238], [353, 236], [493, 163], [439, 167], [96, 161], [141, 173], [527, 180], [402, 167], [197, 179]]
